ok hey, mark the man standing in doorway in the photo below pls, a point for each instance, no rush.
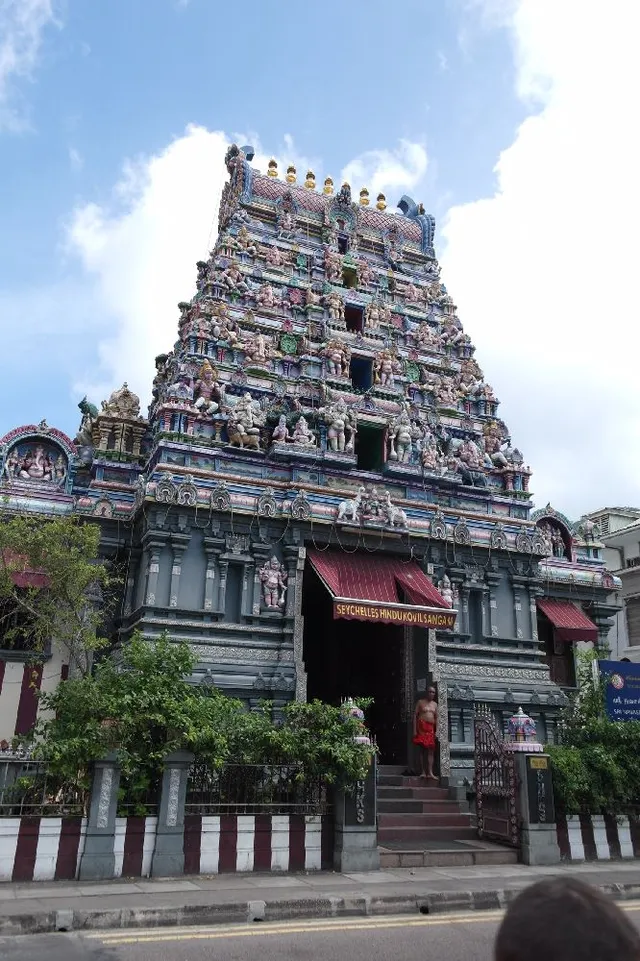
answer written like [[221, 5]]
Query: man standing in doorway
[[425, 719]]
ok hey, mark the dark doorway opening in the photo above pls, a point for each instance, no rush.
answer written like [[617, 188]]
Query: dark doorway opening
[[354, 318], [558, 654], [361, 373], [355, 659], [370, 447], [350, 277], [343, 244]]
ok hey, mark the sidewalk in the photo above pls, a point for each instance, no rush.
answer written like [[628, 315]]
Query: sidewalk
[[34, 908]]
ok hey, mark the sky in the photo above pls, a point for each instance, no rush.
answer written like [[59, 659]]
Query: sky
[[514, 121]]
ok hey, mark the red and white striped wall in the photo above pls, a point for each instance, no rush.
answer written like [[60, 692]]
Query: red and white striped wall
[[41, 849], [50, 849], [585, 837], [261, 842]]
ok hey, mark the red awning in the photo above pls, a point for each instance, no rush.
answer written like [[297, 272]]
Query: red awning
[[21, 574], [380, 584], [571, 623]]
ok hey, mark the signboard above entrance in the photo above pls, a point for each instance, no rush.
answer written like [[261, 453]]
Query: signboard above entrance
[[362, 610]]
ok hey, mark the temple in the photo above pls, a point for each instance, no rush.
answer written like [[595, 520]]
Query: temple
[[323, 499]]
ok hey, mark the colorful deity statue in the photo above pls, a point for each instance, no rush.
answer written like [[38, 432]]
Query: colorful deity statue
[[335, 304], [311, 298], [366, 274], [207, 390], [332, 266], [280, 433], [400, 437], [244, 423], [274, 584], [430, 456], [259, 348], [342, 426], [244, 243], [385, 367], [274, 257], [447, 393], [302, 435], [337, 357], [427, 337], [233, 279], [266, 297]]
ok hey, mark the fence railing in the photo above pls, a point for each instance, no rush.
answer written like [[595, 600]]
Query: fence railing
[[255, 789], [28, 790]]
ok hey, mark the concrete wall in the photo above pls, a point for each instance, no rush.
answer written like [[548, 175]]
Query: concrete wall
[[19, 684]]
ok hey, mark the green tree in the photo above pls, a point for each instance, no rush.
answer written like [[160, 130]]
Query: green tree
[[143, 705], [67, 604]]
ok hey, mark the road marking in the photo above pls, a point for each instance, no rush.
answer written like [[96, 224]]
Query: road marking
[[262, 929]]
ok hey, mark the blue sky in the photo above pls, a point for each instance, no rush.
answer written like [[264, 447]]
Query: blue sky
[[113, 119]]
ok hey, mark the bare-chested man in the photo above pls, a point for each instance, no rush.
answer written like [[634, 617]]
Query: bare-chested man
[[425, 720]]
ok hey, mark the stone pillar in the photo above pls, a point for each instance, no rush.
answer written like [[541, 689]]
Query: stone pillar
[[247, 600], [533, 612], [222, 596], [98, 858], [209, 599], [152, 573], [464, 608], [134, 564], [168, 857], [298, 622], [539, 840], [178, 548], [492, 583], [356, 832], [291, 563]]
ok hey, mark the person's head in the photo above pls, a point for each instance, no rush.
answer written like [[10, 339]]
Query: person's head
[[564, 919], [431, 693]]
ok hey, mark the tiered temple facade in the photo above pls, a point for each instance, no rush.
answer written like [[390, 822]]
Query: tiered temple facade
[[322, 478]]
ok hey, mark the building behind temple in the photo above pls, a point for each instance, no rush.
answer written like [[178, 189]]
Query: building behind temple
[[323, 499]]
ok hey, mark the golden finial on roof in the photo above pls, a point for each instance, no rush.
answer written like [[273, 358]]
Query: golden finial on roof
[[291, 174], [328, 186], [364, 197], [272, 170], [382, 202], [310, 182]]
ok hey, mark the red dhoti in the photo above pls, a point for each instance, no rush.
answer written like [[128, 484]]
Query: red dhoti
[[426, 734]]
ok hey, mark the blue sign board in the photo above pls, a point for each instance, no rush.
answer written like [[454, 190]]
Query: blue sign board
[[622, 690]]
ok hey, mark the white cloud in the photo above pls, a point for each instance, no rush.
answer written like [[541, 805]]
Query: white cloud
[[142, 252], [22, 24], [387, 170], [544, 271]]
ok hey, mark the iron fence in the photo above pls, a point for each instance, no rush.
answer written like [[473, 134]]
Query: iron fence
[[255, 789], [28, 790]]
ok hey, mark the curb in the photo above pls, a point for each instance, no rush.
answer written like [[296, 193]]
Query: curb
[[239, 912]]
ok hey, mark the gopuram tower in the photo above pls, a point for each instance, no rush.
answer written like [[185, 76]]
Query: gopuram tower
[[332, 505]]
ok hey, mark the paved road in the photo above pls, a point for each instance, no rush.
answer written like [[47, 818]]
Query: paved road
[[452, 937]]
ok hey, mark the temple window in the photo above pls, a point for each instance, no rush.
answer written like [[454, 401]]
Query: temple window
[[343, 245], [15, 634], [370, 447], [361, 373], [350, 277], [354, 318], [233, 594]]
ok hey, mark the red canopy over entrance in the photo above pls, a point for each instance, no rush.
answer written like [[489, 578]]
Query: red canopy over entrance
[[368, 588], [571, 623]]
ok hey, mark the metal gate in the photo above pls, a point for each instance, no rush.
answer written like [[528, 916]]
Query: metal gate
[[495, 784]]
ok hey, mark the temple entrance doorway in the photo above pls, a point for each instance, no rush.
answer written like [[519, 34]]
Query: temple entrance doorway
[[349, 658]]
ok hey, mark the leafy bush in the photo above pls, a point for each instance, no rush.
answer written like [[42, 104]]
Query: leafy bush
[[143, 707], [596, 767]]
